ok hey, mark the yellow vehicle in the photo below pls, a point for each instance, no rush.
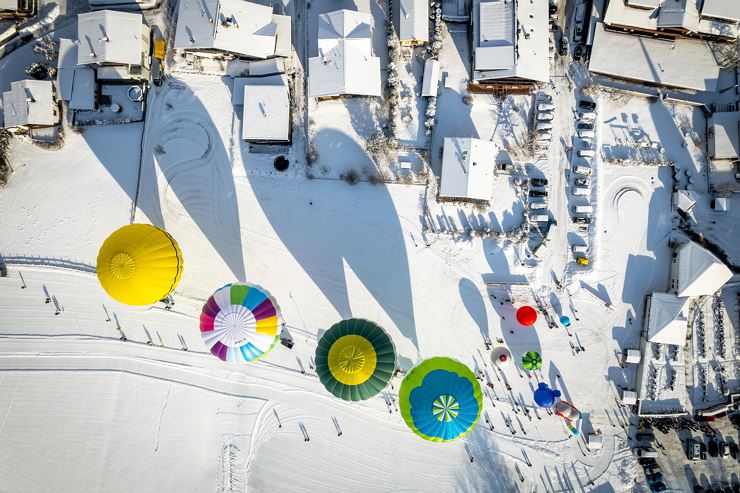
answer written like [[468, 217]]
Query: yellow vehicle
[[582, 260], [159, 47]]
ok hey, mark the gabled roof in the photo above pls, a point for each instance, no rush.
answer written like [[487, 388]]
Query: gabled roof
[[700, 273], [234, 26], [412, 20], [467, 168], [667, 320], [29, 102], [108, 36], [685, 199], [679, 13], [345, 64]]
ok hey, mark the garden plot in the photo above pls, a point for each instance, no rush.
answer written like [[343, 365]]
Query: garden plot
[[410, 129]]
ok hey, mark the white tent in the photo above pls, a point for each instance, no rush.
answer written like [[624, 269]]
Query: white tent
[[345, 64], [467, 168], [667, 319], [629, 398], [632, 356], [699, 272]]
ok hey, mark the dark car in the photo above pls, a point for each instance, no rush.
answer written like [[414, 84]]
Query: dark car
[[581, 125], [734, 449], [578, 53], [646, 461], [563, 46], [538, 182], [537, 193], [582, 220], [581, 182], [644, 436], [654, 478], [713, 448], [587, 105], [657, 487]]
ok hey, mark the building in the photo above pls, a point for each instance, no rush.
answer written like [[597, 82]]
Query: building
[[29, 104], [686, 64], [697, 272], [265, 108], [345, 64], [17, 8], [467, 169], [685, 200], [234, 27], [411, 19], [667, 319], [723, 136], [511, 42], [430, 83], [115, 44]]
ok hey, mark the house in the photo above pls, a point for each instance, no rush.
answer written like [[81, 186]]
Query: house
[[467, 169], [17, 8], [345, 64], [411, 19], [430, 84], [511, 42], [115, 44], [723, 136], [667, 319], [697, 272], [265, 108], [29, 104], [234, 27]]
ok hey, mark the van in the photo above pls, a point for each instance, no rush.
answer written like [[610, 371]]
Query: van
[[539, 218], [581, 191], [587, 115], [583, 209], [538, 205], [580, 249], [581, 170], [586, 153], [543, 126]]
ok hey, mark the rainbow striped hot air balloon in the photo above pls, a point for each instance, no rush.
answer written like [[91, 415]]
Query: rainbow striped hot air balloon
[[441, 400], [355, 359], [240, 323], [139, 264]]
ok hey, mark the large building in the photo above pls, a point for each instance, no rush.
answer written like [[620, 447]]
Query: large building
[[115, 44], [697, 272], [29, 104], [234, 27], [411, 19], [265, 105], [467, 169], [345, 64], [511, 41]]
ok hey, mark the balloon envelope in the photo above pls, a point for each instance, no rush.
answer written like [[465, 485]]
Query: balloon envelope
[[531, 360], [526, 316], [240, 323], [565, 320], [441, 400], [544, 396], [139, 264], [501, 356], [355, 359]]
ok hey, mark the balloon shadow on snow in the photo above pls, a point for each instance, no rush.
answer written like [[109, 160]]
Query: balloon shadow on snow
[[474, 304], [490, 469], [360, 229], [185, 154]]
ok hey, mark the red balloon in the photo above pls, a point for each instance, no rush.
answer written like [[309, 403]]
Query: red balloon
[[526, 316]]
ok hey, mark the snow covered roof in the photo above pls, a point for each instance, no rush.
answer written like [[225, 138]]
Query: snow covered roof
[[595, 441], [510, 40], [722, 204], [430, 84], [266, 113], [724, 138], [234, 26], [682, 63], [667, 320], [721, 9], [107, 36], [679, 13], [645, 4], [412, 20], [83, 89], [467, 168], [700, 273], [345, 64], [629, 397], [67, 53], [633, 356], [685, 199], [9, 5], [29, 102]]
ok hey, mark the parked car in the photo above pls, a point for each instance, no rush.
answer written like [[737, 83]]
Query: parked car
[[587, 105], [582, 181], [693, 450], [657, 487], [587, 115], [542, 126], [587, 209], [586, 153], [647, 461], [537, 205], [581, 260], [507, 167], [545, 116], [545, 107], [544, 135], [539, 218], [578, 34], [586, 134], [724, 449], [537, 193], [580, 169], [538, 182], [582, 220], [585, 125], [578, 53], [581, 191], [713, 448], [734, 449], [563, 46], [651, 469], [654, 478], [580, 249]]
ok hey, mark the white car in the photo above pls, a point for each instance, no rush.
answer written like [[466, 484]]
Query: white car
[[581, 191], [539, 218], [586, 153], [588, 116], [545, 107], [586, 134], [544, 136], [580, 249], [543, 126], [545, 117], [581, 170], [537, 205]]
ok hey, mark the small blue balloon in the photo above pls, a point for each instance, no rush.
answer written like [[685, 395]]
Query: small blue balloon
[[565, 320]]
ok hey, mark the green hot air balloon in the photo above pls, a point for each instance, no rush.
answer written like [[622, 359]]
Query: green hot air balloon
[[532, 360]]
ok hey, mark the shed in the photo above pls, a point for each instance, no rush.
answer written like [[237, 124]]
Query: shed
[[595, 441], [698, 272], [629, 397], [467, 168], [430, 84], [266, 112], [632, 356]]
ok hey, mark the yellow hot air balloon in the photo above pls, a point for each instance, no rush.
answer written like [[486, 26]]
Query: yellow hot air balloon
[[139, 264]]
